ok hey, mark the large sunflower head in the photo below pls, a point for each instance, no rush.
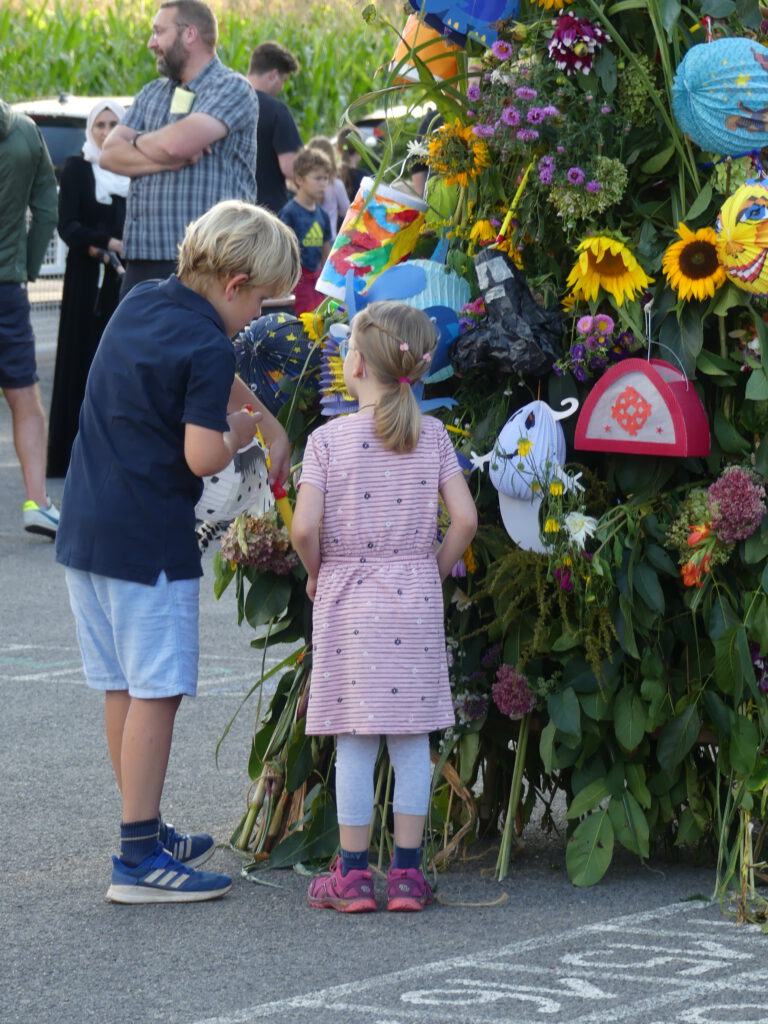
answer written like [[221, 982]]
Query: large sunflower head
[[692, 265], [606, 263], [457, 153]]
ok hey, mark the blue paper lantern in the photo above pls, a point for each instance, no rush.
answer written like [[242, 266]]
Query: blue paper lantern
[[720, 96]]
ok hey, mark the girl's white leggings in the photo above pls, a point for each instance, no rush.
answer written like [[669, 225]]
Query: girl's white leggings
[[355, 762]]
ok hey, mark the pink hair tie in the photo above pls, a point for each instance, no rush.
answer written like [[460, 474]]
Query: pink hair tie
[[404, 380]]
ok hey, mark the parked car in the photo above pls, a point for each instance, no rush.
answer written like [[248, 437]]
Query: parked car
[[62, 122]]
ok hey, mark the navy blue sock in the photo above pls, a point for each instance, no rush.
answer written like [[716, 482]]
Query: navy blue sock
[[405, 857], [353, 861], [138, 840]]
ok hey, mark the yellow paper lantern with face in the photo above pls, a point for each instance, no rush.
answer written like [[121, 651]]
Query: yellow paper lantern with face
[[742, 238]]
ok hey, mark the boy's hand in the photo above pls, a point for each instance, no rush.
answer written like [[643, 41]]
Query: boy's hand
[[279, 455], [242, 426]]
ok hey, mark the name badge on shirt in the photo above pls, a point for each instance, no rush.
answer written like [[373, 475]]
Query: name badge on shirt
[[181, 101]]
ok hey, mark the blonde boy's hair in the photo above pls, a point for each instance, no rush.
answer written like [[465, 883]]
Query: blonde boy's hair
[[234, 237], [308, 160], [396, 342]]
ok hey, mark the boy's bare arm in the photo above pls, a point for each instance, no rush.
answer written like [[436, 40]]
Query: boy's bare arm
[[209, 451], [272, 431]]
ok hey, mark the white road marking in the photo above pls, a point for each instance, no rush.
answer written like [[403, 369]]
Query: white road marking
[[695, 976]]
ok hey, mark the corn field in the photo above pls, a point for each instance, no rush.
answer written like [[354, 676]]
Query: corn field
[[100, 49]]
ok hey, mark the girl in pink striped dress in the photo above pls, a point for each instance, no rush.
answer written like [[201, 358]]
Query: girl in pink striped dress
[[365, 528]]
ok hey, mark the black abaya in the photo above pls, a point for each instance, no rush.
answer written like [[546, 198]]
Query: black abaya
[[90, 296]]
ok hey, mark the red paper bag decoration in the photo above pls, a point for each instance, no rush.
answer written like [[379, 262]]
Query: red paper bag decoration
[[645, 407]]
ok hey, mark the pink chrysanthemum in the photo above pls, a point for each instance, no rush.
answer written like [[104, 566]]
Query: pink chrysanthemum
[[737, 503], [511, 693]]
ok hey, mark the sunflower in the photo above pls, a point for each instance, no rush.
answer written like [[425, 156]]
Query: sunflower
[[553, 5], [457, 153], [691, 265], [606, 263]]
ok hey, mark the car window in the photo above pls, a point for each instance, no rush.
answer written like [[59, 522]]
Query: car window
[[63, 140]]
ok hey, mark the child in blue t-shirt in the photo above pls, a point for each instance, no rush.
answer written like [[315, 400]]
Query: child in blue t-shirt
[[162, 409], [310, 223]]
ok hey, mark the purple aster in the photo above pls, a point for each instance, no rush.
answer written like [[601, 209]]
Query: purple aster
[[492, 656], [535, 115], [527, 134], [760, 664], [579, 373], [547, 163], [510, 116], [625, 339], [550, 111], [502, 50], [592, 342], [578, 351], [473, 93], [593, 186], [545, 176], [584, 324], [525, 92], [484, 131], [575, 175], [557, 370], [606, 110]]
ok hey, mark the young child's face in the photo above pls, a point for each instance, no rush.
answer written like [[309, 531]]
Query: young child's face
[[244, 307], [313, 185]]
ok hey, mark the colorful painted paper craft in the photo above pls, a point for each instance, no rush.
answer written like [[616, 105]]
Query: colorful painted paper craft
[[742, 238]]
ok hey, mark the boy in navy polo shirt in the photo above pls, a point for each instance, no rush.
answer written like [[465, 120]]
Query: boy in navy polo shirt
[[310, 223], [162, 409]]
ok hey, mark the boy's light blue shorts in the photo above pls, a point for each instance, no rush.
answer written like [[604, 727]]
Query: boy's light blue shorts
[[135, 637]]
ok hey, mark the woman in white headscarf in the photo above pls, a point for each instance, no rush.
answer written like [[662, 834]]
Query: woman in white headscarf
[[91, 217]]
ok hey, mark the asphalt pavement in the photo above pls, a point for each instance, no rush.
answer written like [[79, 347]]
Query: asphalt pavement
[[639, 948]]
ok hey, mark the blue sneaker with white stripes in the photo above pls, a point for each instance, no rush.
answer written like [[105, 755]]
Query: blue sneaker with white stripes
[[161, 879], [191, 849]]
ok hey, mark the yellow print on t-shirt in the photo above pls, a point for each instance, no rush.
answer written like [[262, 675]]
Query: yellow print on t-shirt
[[313, 237]]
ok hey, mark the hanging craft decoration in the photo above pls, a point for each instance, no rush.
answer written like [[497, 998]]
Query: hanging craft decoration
[[742, 237], [462, 18], [243, 484], [644, 407], [269, 350], [720, 95], [380, 230], [529, 453], [428, 46]]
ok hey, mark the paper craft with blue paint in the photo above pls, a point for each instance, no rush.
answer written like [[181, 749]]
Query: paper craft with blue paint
[[475, 18]]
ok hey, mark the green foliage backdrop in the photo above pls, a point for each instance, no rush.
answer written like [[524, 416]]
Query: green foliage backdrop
[[100, 49]]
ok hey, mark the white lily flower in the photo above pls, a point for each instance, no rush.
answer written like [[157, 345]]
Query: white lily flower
[[416, 147], [579, 527]]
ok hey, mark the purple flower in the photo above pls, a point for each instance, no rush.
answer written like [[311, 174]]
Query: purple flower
[[593, 186], [535, 115], [527, 134], [473, 92], [563, 577], [545, 176], [573, 44], [510, 116], [484, 131], [525, 92], [737, 503], [760, 664], [578, 351], [592, 342], [491, 656], [511, 693], [579, 373], [625, 339], [606, 110], [502, 50], [575, 175], [604, 324], [459, 571], [584, 324], [470, 707], [547, 163], [550, 111]]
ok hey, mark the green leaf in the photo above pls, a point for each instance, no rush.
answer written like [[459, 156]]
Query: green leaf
[[636, 781], [647, 585], [469, 745], [670, 12], [733, 662], [323, 833], [756, 546], [547, 747], [700, 203], [757, 386], [630, 826], [660, 560], [589, 851], [719, 713], [267, 598], [565, 712], [630, 719], [223, 574], [290, 851], [595, 706], [761, 457], [298, 763], [729, 439], [688, 829], [658, 160], [677, 738], [623, 623], [743, 747], [714, 365], [588, 798]]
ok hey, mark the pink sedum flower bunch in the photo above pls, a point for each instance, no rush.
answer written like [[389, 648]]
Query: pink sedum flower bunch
[[511, 693], [737, 503]]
